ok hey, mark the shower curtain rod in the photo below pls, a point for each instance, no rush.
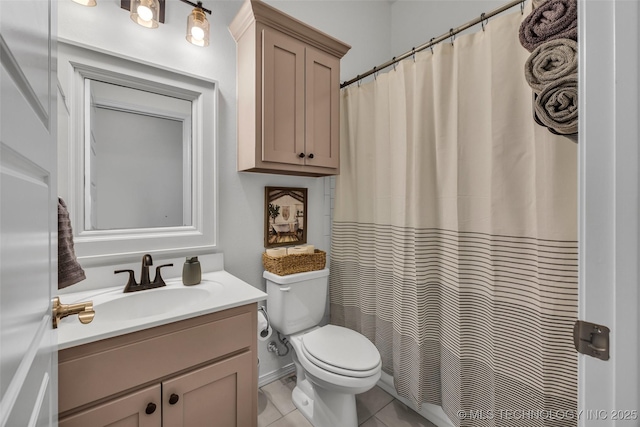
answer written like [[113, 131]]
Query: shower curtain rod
[[451, 34]]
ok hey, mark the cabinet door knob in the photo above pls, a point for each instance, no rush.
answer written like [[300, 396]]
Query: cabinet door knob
[[151, 408], [301, 155], [311, 156], [173, 399]]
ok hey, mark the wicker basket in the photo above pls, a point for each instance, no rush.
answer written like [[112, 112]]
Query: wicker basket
[[295, 263]]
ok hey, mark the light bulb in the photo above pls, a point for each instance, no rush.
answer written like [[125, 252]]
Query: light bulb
[[145, 13], [198, 28], [197, 33]]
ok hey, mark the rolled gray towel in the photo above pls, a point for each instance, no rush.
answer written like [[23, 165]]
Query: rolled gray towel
[[551, 61], [554, 19], [556, 106]]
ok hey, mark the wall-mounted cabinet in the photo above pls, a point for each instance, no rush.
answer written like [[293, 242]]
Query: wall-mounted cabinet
[[288, 94], [196, 372]]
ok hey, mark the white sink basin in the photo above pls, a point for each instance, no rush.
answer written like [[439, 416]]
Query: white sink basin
[[151, 302], [116, 306]]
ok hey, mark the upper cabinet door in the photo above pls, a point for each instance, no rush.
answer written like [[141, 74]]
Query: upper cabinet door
[[283, 98], [322, 109]]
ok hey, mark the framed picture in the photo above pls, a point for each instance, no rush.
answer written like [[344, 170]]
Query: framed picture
[[285, 216]]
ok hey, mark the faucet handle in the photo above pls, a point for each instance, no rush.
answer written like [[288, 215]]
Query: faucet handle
[[131, 283], [158, 279]]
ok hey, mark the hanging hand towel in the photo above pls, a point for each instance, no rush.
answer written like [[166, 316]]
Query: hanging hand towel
[[69, 270], [554, 19], [556, 106], [551, 61]]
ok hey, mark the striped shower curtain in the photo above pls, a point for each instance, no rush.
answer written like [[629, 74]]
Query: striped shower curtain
[[454, 236]]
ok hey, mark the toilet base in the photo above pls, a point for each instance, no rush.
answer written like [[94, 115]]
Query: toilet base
[[321, 406], [324, 408]]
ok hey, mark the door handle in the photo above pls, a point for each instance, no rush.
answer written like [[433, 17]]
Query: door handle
[[84, 310], [285, 289]]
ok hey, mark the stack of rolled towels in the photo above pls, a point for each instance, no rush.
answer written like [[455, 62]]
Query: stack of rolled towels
[[293, 250], [550, 33]]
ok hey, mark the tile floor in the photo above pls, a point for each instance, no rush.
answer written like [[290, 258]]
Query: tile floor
[[375, 408]]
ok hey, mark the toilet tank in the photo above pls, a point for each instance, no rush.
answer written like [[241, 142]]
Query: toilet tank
[[297, 301]]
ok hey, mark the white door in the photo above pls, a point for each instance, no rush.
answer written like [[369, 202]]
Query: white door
[[609, 392], [28, 213]]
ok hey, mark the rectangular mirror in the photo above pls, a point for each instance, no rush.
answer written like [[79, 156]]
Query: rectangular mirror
[[123, 126], [140, 163]]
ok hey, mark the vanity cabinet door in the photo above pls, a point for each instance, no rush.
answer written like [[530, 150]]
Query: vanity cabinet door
[[215, 395], [139, 409]]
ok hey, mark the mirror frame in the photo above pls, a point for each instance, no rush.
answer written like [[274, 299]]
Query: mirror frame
[[102, 247]]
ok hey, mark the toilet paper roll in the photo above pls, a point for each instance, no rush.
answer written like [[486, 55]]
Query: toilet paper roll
[[308, 249], [303, 249], [277, 252], [264, 330]]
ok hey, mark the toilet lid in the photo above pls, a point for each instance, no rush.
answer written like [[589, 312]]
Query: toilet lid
[[341, 348]]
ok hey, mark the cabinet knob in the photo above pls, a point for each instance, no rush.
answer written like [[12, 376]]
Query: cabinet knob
[[311, 156], [151, 408], [173, 399], [301, 155]]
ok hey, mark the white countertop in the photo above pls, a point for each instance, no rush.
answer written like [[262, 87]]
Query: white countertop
[[131, 312]]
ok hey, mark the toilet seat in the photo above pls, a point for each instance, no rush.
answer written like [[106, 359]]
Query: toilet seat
[[341, 351]]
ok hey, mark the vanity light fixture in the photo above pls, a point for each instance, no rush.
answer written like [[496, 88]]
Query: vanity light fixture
[[149, 13], [89, 3], [198, 25], [145, 12]]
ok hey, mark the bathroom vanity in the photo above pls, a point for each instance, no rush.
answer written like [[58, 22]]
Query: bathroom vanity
[[195, 363]]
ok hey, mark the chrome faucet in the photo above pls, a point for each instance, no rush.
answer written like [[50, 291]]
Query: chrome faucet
[[145, 283]]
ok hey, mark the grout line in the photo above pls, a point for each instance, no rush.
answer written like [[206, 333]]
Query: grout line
[[379, 420]]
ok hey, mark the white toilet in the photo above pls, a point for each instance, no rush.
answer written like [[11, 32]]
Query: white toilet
[[333, 363]]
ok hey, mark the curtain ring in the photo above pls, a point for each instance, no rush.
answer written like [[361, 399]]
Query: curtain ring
[[431, 44], [522, 7], [413, 54], [452, 36], [359, 80], [394, 63], [482, 20], [375, 73]]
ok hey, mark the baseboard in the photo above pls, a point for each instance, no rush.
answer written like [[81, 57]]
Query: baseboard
[[433, 413], [275, 375]]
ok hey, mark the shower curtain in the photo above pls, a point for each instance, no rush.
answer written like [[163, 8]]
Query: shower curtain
[[454, 236]]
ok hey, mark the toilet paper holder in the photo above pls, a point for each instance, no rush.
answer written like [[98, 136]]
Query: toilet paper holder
[[264, 332]]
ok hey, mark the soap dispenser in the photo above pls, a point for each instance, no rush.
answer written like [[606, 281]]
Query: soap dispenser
[[191, 272]]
